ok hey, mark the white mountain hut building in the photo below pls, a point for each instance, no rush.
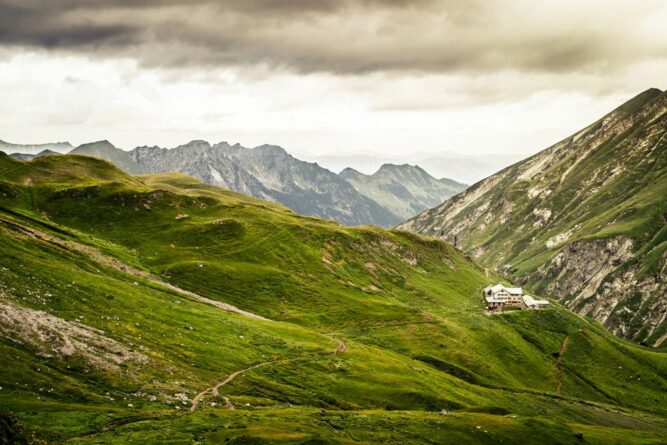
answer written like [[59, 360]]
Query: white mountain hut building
[[499, 296]]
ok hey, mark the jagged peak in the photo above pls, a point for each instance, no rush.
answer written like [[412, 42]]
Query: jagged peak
[[277, 149], [389, 167], [147, 148], [349, 172], [47, 152], [636, 103], [97, 144], [195, 143]]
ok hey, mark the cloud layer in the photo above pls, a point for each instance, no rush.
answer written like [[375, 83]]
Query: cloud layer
[[318, 76], [348, 36]]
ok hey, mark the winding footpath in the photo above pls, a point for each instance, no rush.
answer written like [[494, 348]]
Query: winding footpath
[[214, 390], [559, 369]]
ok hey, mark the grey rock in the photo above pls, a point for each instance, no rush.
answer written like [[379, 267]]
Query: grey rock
[[403, 189]]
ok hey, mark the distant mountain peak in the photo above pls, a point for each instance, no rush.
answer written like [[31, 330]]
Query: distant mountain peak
[[33, 149], [47, 152], [103, 144], [350, 171], [275, 149], [106, 150], [403, 188], [196, 143], [401, 167]]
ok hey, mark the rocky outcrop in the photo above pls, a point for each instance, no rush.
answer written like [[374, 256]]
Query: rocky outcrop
[[632, 306], [597, 278], [52, 336], [577, 271]]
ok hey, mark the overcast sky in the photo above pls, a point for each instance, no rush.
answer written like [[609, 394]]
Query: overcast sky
[[324, 76]]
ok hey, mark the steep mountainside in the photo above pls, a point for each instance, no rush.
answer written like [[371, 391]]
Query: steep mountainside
[[105, 150], [155, 309], [404, 189], [583, 221], [33, 149], [268, 172]]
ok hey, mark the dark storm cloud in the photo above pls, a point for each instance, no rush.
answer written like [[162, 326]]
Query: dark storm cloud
[[340, 36]]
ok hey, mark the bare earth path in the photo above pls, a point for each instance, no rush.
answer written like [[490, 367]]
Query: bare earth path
[[214, 389], [559, 369], [340, 349]]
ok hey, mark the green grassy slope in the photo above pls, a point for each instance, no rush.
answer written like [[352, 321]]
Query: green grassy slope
[[582, 221], [381, 330]]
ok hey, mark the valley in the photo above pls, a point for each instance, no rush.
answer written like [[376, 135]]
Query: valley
[[155, 308]]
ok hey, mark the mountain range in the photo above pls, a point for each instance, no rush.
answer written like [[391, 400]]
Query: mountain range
[[466, 168], [403, 189], [391, 195], [159, 309], [34, 149], [584, 221]]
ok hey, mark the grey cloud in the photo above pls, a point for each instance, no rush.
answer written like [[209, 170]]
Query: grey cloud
[[337, 36]]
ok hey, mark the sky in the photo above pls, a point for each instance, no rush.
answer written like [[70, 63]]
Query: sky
[[389, 77]]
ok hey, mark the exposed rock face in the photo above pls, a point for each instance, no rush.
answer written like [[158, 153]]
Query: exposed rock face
[[583, 221], [598, 278], [52, 336], [403, 189], [268, 172], [579, 268]]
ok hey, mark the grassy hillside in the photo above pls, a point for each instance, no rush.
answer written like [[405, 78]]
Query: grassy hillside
[[158, 309], [583, 221]]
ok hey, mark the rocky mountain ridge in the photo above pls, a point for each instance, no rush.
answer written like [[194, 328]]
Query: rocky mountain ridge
[[463, 168], [268, 172], [34, 149], [393, 194], [404, 189]]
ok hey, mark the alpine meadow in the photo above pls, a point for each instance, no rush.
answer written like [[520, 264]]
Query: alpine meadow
[[333, 222]]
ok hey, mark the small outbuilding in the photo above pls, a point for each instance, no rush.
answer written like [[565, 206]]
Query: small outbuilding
[[532, 303]]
